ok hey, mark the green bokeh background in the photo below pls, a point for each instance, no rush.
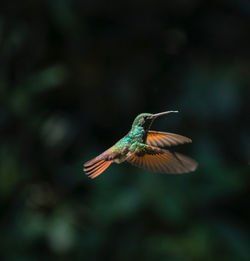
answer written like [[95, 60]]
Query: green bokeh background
[[73, 75]]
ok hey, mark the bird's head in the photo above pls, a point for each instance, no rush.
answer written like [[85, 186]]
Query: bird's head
[[146, 119]]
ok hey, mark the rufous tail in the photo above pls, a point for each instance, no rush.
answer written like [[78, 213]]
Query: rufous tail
[[96, 166]]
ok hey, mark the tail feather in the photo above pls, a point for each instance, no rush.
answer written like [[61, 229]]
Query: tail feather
[[93, 161], [96, 166], [104, 166], [89, 168]]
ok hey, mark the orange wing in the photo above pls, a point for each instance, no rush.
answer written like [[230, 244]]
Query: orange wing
[[161, 139], [162, 161]]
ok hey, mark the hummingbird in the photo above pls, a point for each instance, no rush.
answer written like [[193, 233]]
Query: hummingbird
[[142, 148]]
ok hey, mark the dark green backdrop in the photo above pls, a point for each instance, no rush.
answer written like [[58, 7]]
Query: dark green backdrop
[[73, 75]]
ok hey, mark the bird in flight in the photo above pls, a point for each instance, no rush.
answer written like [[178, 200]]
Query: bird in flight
[[142, 147]]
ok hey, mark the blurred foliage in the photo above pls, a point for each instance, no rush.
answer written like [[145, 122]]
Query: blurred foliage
[[73, 75]]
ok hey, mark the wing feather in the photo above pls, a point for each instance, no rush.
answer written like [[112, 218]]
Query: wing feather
[[161, 139], [163, 161]]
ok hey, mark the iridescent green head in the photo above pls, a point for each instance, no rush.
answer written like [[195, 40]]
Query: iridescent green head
[[146, 119]]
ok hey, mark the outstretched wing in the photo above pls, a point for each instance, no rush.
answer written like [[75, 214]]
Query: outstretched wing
[[163, 161], [96, 166], [161, 139]]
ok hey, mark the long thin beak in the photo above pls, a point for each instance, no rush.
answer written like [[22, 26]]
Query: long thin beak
[[163, 113]]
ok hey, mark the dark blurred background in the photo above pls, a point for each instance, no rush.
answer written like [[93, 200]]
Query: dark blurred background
[[73, 75]]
